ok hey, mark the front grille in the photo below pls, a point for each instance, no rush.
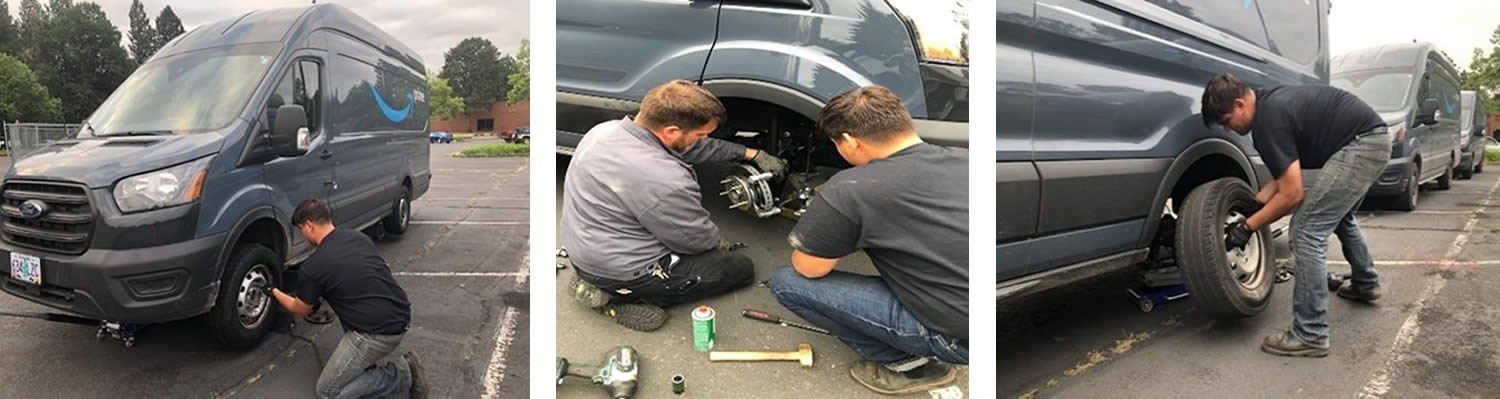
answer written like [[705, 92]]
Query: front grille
[[64, 228]]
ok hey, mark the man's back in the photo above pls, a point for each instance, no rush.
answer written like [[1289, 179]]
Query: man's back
[[348, 272]]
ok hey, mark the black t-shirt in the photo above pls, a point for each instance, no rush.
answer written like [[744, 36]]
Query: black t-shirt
[[348, 272], [910, 213], [1307, 124]]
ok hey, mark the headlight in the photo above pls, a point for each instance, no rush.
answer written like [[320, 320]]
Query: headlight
[[939, 29], [172, 186]]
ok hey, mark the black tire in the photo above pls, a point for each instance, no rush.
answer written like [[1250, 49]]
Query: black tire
[[1445, 181], [400, 216], [1222, 289], [1479, 162], [225, 318], [1407, 200]]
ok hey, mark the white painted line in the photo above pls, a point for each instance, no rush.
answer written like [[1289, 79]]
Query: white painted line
[[465, 222], [471, 198], [460, 274], [1425, 262], [1380, 383], [495, 373]]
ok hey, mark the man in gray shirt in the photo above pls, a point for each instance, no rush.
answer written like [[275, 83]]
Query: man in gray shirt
[[633, 219]]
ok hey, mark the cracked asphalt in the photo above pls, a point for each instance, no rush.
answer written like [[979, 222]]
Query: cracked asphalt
[[584, 336], [1431, 335], [462, 263]]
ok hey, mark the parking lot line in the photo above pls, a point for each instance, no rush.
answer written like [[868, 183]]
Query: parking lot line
[[465, 222], [1380, 383], [461, 274], [495, 372], [1425, 262]]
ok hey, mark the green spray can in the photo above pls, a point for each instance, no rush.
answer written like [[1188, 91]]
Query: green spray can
[[703, 328]]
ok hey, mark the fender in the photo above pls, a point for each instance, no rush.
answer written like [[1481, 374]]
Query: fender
[[261, 212], [797, 101], [1193, 153]]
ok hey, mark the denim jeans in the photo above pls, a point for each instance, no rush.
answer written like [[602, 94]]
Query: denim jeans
[[357, 368], [863, 313], [1328, 205]]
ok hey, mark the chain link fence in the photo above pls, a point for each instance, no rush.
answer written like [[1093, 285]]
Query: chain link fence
[[23, 138]]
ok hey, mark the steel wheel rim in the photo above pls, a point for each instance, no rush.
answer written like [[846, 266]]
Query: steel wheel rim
[[1412, 186], [251, 304], [405, 209], [1245, 263]]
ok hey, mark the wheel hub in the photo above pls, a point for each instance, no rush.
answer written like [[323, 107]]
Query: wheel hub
[[404, 210], [1244, 263], [252, 304]]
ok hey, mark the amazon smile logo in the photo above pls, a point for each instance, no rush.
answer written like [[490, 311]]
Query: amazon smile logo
[[395, 115]]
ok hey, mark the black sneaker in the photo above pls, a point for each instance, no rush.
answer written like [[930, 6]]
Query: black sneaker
[[1354, 294], [878, 378], [587, 294], [1285, 344], [418, 375], [635, 316]]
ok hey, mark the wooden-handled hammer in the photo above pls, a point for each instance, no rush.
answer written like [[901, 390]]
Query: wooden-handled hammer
[[803, 355]]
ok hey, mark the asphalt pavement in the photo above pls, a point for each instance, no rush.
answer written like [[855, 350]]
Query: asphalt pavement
[[462, 263], [1430, 336], [584, 336]]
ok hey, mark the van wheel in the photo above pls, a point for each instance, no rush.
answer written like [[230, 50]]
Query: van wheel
[[244, 314], [1407, 201], [396, 222], [1445, 181], [1227, 284], [1479, 162]]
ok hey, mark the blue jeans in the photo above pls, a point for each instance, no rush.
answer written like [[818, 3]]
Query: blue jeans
[[1328, 205], [357, 368], [863, 313]]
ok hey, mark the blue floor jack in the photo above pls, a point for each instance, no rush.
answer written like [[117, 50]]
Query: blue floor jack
[[123, 332], [1161, 285]]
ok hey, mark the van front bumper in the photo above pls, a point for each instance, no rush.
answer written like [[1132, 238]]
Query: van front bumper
[[143, 285], [1392, 180]]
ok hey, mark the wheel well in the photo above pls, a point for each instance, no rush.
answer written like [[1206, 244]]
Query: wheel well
[[789, 134], [267, 232], [1204, 170]]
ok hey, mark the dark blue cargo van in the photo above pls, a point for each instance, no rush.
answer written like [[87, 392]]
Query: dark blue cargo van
[[1472, 142], [176, 197], [1103, 161], [1416, 91]]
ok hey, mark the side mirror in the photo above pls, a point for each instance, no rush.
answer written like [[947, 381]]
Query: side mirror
[[1427, 113], [289, 133]]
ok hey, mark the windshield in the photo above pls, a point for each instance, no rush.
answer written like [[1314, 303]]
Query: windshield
[[183, 94], [1385, 91]]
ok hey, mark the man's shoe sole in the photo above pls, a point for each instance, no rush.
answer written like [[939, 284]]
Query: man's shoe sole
[[1308, 352], [947, 379], [637, 317], [1357, 297]]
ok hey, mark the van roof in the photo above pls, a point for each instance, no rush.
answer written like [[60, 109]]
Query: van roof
[[1393, 55], [289, 25]]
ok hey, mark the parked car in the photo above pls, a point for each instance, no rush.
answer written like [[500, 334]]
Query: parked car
[[1414, 88], [774, 64], [518, 135], [1472, 140], [440, 137], [1102, 160], [179, 194]]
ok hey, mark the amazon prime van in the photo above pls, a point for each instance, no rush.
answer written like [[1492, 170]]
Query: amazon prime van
[[177, 194]]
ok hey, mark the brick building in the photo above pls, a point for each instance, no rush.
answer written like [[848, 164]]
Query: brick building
[[500, 117]]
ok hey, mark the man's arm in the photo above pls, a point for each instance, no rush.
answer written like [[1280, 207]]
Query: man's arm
[[1285, 197], [678, 220], [710, 149], [292, 305], [1266, 192], [812, 266]]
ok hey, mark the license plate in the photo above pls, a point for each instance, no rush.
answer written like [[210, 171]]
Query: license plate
[[26, 268]]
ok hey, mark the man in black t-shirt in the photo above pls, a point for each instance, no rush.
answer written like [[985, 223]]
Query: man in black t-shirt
[[1296, 128], [350, 275], [906, 204]]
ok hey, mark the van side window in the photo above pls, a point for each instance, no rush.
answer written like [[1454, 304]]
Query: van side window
[[1232, 17], [300, 85], [1293, 26]]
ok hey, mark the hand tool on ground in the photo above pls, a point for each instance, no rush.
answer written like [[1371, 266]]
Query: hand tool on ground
[[803, 355], [617, 376], [769, 318]]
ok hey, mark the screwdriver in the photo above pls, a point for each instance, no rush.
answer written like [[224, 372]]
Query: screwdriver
[[767, 317]]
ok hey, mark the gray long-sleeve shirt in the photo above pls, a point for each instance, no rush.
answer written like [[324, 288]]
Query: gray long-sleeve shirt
[[628, 200]]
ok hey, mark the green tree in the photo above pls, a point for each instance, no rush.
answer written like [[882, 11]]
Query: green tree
[[440, 99], [32, 26], [22, 98], [1483, 75], [82, 51], [8, 33], [168, 27], [520, 80], [142, 36], [56, 6], [474, 69]]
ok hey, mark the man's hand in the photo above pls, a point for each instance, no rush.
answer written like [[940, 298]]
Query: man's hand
[[263, 286], [726, 245], [769, 163], [1237, 235]]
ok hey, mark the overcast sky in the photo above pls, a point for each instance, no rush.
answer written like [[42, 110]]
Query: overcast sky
[[428, 26], [1455, 26]]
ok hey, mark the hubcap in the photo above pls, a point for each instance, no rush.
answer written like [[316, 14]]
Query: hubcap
[[1414, 188], [404, 209], [252, 304], [1245, 263]]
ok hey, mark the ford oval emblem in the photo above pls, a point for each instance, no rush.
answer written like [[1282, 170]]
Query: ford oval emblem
[[32, 209]]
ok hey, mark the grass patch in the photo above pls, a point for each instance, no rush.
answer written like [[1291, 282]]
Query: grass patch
[[461, 137], [495, 150], [1491, 157]]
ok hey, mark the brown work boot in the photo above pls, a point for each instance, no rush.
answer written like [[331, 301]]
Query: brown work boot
[[418, 375], [1286, 344], [587, 294], [1354, 294], [881, 379], [636, 316]]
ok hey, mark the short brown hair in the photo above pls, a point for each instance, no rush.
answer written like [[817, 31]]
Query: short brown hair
[[680, 103], [872, 113], [1219, 96], [313, 210]]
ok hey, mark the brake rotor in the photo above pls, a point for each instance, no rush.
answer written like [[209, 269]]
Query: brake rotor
[[748, 189]]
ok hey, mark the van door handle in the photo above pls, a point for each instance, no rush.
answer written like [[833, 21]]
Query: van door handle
[[325, 154], [331, 184]]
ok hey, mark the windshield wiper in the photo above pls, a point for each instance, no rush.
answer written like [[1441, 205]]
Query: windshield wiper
[[139, 133]]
